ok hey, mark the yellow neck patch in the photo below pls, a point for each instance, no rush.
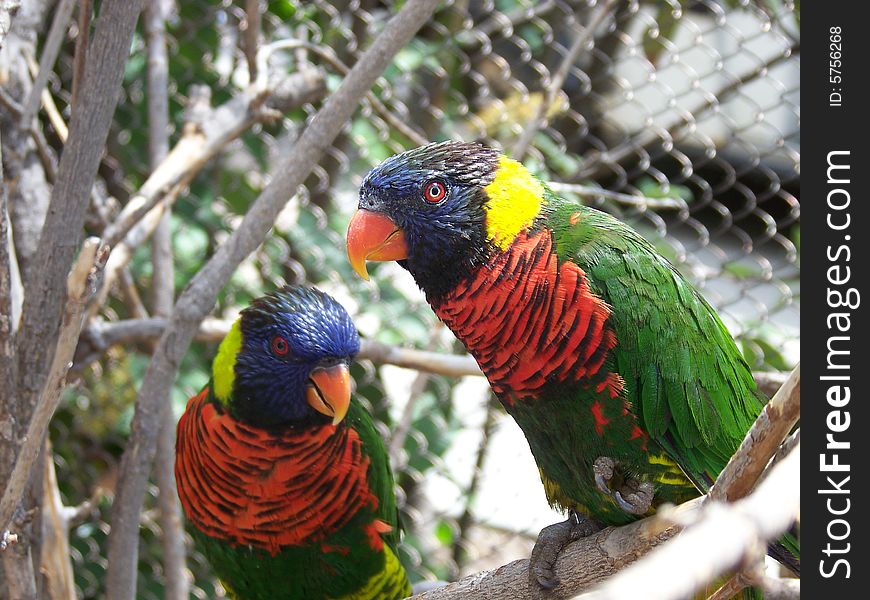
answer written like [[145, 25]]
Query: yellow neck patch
[[515, 199], [223, 369]]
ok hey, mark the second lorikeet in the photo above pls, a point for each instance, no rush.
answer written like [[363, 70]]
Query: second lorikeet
[[285, 481], [626, 384]]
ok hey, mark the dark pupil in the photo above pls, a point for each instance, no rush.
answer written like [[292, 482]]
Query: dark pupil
[[280, 345], [434, 191]]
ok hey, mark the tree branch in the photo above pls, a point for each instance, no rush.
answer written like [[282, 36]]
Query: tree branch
[[163, 290], [100, 335], [80, 284], [199, 296], [761, 443], [202, 139], [55, 560], [44, 286], [676, 570], [251, 36], [741, 531], [81, 50], [50, 50], [581, 564]]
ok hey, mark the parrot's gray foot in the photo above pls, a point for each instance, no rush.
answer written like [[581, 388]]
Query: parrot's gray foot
[[632, 495], [551, 541]]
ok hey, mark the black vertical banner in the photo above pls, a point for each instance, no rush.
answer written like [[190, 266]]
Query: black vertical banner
[[834, 181]]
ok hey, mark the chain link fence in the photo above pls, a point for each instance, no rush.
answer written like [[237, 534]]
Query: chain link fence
[[683, 120]]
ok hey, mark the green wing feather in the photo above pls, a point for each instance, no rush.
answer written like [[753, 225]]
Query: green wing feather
[[691, 388]]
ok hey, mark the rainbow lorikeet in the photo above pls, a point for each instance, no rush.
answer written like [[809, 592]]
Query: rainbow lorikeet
[[285, 481], [626, 384]]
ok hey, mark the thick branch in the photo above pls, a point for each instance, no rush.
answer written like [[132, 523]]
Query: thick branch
[[673, 571], [761, 443], [199, 296], [45, 289], [581, 564], [80, 285], [741, 531]]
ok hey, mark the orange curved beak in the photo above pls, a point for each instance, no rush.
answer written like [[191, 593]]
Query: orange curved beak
[[328, 391], [373, 236]]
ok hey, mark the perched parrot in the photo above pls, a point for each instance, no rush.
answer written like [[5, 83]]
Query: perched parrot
[[285, 481], [626, 384]]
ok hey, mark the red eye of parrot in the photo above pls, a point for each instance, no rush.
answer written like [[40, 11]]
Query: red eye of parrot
[[280, 346], [434, 192]]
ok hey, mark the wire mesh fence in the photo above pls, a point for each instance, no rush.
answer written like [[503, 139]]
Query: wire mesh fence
[[682, 119]]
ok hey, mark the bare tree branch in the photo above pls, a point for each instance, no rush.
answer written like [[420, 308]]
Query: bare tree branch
[[673, 571], [81, 282], [45, 289], [326, 53], [555, 86], [55, 560], [400, 431], [199, 296], [163, 292], [51, 49], [742, 530], [200, 142], [761, 443], [81, 51], [252, 36], [100, 335], [581, 564]]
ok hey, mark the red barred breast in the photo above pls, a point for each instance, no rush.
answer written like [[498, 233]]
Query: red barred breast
[[529, 320], [253, 487]]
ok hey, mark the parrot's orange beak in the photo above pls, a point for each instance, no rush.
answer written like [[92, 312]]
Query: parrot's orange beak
[[373, 236], [329, 391]]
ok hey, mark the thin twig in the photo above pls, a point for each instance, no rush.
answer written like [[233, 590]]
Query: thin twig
[[643, 202], [50, 50], [81, 50], [330, 57], [558, 80], [163, 294], [81, 282], [466, 519], [252, 35], [199, 296], [201, 141], [100, 335]]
